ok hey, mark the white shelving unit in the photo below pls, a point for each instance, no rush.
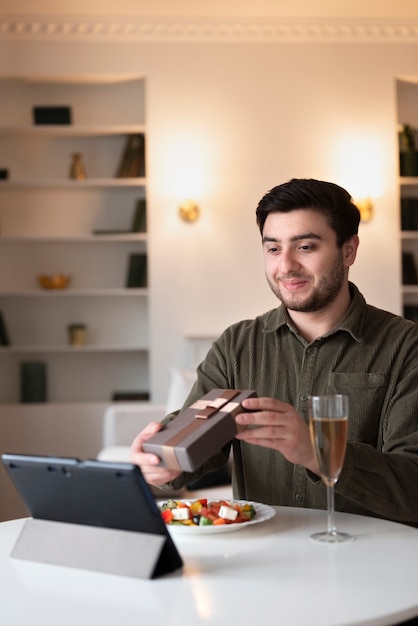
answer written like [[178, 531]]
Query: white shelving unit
[[47, 224]]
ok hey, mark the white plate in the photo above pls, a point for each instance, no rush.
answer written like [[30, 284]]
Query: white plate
[[263, 512]]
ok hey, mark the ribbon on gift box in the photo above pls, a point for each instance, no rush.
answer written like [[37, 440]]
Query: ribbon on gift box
[[205, 409]]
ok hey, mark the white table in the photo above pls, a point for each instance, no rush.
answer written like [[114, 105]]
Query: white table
[[271, 573]]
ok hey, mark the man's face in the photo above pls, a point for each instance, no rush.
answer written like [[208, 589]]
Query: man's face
[[304, 267]]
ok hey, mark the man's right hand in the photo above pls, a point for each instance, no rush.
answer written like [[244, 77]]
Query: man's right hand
[[148, 462]]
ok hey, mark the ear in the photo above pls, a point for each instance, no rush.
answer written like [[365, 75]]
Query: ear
[[350, 250]]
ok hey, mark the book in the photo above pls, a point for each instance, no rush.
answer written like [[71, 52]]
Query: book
[[409, 213], [139, 222], [130, 396], [4, 335], [132, 164], [33, 382], [111, 231], [409, 272], [54, 115], [137, 271], [410, 311]]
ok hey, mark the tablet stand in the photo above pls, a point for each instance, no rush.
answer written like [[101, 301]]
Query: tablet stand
[[107, 550]]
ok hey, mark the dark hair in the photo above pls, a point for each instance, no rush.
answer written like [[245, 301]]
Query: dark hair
[[329, 199]]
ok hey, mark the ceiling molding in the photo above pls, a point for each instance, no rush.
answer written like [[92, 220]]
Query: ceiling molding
[[206, 30]]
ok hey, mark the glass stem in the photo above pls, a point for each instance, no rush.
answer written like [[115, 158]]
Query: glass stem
[[330, 507]]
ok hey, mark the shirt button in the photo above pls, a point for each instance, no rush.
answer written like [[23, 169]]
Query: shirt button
[[303, 397], [298, 497]]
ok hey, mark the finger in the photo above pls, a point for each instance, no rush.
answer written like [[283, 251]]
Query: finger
[[264, 404], [143, 459], [262, 433], [255, 404], [137, 454], [151, 429], [160, 477], [151, 469], [260, 418], [149, 463]]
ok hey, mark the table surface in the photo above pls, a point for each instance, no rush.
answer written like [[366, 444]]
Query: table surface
[[266, 573]]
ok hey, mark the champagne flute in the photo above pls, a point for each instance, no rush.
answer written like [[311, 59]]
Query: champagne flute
[[328, 427]]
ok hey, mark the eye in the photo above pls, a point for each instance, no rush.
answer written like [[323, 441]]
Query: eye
[[307, 247], [273, 250]]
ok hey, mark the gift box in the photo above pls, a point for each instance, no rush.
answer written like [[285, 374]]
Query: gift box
[[200, 431]]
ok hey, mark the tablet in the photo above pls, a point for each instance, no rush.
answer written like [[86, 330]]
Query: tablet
[[90, 493]]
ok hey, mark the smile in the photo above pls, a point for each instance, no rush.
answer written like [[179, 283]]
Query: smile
[[294, 284]]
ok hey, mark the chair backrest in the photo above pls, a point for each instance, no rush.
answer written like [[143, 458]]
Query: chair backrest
[[180, 386]]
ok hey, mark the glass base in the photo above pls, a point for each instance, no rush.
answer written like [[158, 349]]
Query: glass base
[[332, 536]]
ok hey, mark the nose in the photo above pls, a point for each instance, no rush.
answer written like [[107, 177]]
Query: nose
[[288, 261]]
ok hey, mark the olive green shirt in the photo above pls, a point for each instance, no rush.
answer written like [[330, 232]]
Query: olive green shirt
[[372, 356]]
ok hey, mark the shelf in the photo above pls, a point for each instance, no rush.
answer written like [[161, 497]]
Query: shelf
[[409, 234], [411, 289], [408, 181], [76, 293], [115, 238], [73, 184], [72, 130], [43, 407], [67, 407], [92, 349]]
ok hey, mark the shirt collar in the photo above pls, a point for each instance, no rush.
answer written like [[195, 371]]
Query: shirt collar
[[352, 322]]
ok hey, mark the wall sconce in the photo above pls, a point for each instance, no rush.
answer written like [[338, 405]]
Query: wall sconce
[[189, 211], [365, 206]]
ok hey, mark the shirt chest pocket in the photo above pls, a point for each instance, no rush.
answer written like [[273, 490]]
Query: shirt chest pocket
[[366, 393]]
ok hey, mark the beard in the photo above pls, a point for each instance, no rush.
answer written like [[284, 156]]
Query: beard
[[324, 294]]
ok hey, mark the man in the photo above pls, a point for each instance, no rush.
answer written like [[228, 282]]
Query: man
[[323, 338]]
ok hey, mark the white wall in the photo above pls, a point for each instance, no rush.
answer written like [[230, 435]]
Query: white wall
[[261, 114], [238, 118]]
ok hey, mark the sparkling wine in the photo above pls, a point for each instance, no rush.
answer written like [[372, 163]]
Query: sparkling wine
[[329, 440]]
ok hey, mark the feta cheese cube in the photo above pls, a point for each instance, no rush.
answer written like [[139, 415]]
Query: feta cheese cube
[[228, 513], [180, 514]]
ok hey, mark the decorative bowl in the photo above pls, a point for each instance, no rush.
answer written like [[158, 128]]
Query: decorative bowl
[[54, 281]]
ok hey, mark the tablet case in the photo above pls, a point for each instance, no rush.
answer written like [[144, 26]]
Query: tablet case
[[90, 514]]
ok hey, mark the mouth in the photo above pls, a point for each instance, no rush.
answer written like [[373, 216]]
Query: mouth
[[294, 284]]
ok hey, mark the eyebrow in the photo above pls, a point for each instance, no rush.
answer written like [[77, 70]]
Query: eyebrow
[[309, 235]]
